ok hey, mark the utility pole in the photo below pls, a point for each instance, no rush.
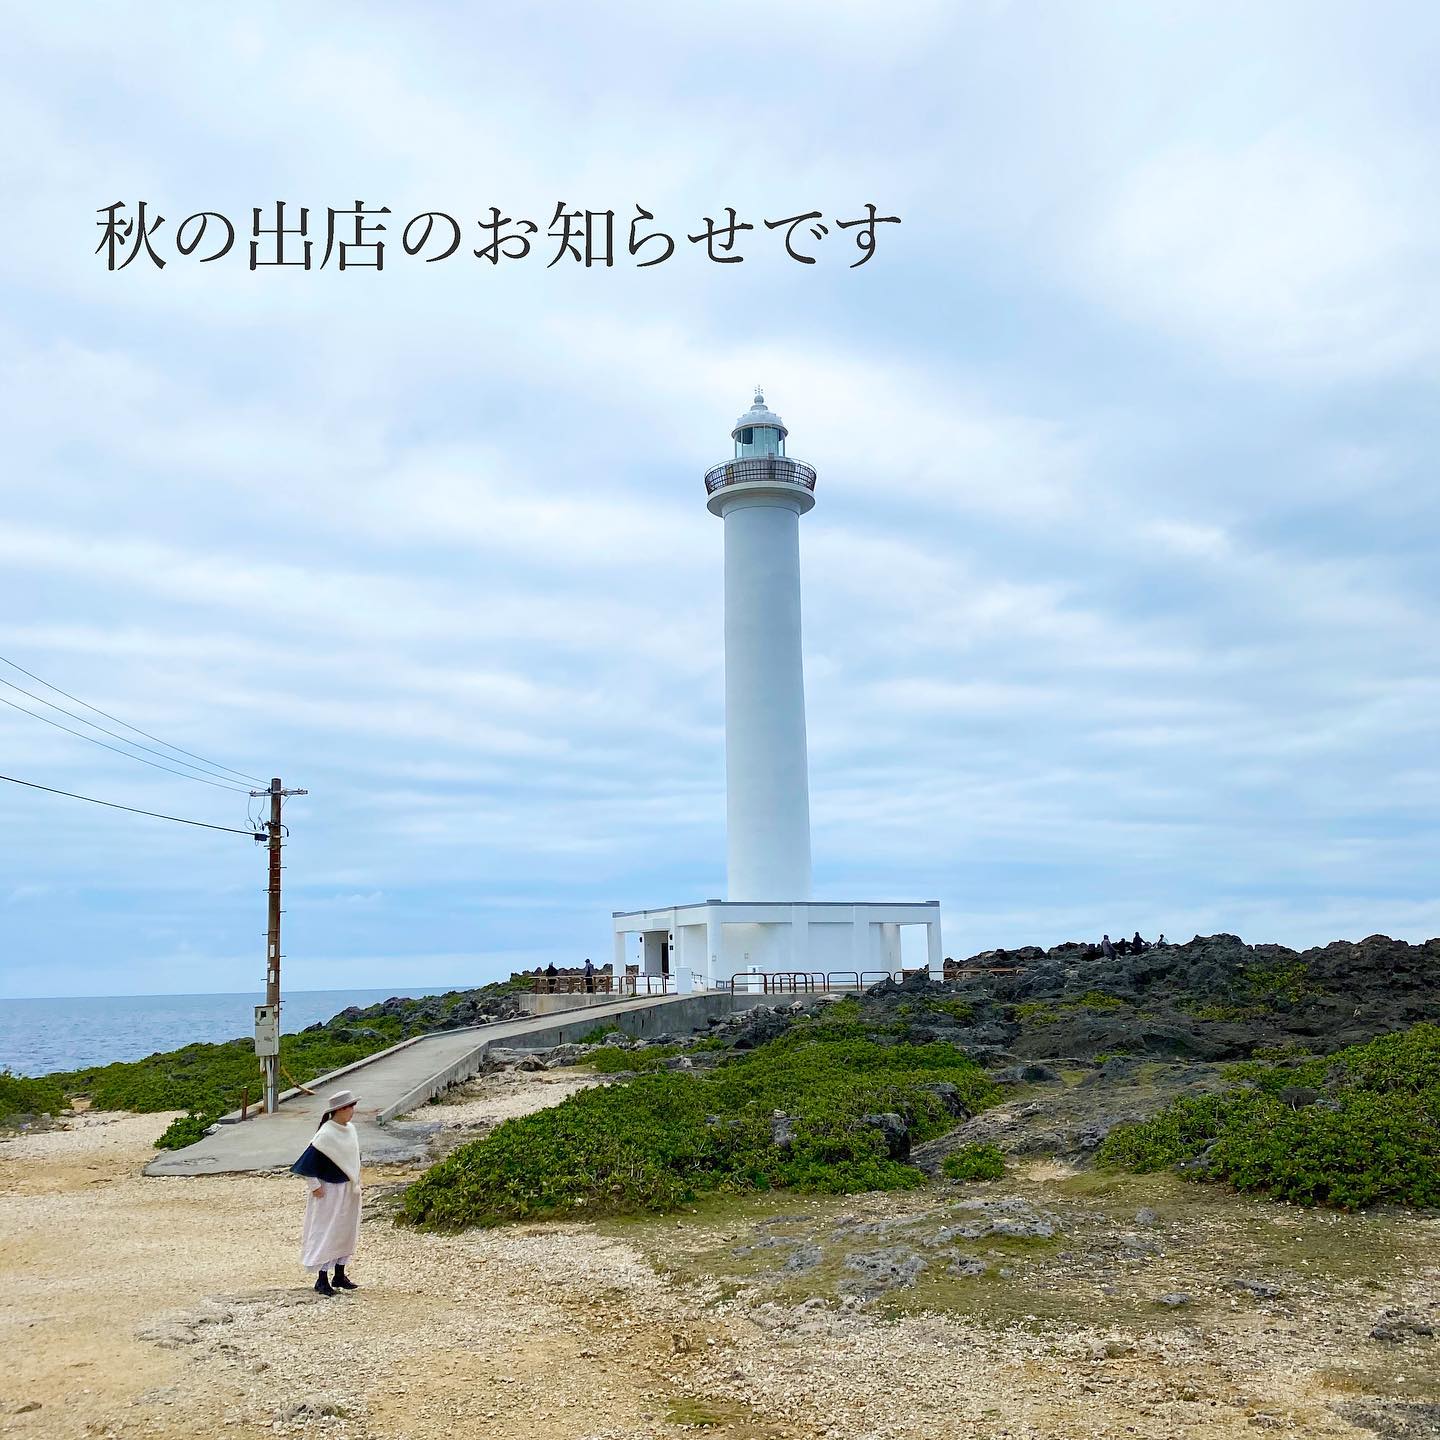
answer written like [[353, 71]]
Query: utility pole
[[267, 1017]]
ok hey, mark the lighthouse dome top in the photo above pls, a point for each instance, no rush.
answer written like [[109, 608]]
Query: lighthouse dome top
[[760, 469], [757, 415]]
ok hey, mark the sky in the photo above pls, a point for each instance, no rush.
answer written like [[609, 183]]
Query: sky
[[1120, 594]]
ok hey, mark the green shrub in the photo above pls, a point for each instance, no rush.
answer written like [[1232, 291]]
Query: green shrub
[[613, 1060], [1277, 980], [962, 1012], [1095, 1000], [663, 1139], [30, 1095], [595, 1036], [974, 1162], [1217, 1012], [1372, 1137], [185, 1130], [1036, 1012], [210, 1079], [1048, 1012], [1290, 1050]]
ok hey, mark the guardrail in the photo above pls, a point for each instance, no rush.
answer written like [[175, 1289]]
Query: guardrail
[[596, 984], [808, 982], [750, 469], [649, 985], [818, 982]]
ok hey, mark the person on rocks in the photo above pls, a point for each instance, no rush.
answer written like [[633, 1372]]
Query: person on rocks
[[331, 1163], [1107, 947], [551, 971], [1161, 940], [1137, 945]]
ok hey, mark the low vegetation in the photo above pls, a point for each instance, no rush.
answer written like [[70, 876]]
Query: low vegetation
[[598, 1035], [209, 1080], [24, 1095], [1357, 1128], [615, 1060], [1047, 1012], [663, 1139], [974, 1162]]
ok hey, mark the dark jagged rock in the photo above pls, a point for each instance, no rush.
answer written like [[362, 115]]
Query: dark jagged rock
[[782, 1132], [1031, 1074], [1212, 998], [895, 1131], [949, 1096], [1396, 1326], [760, 1024]]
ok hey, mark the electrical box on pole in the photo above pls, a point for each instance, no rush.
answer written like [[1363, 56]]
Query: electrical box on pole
[[267, 1030]]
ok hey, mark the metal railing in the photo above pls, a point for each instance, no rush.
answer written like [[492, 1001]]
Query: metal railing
[[807, 982], [649, 985], [817, 982], [755, 469], [596, 984]]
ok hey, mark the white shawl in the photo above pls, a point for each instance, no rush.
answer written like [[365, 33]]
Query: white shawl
[[340, 1143]]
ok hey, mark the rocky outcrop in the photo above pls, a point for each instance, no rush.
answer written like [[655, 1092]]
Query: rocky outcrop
[[452, 1011], [1213, 998]]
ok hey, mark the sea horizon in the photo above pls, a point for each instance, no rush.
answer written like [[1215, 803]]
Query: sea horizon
[[258, 992], [40, 1034]]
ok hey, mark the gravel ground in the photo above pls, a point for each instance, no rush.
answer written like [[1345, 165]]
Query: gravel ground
[[134, 1307], [484, 1103]]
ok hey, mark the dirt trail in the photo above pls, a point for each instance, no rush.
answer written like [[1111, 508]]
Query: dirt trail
[[134, 1307], [157, 1307]]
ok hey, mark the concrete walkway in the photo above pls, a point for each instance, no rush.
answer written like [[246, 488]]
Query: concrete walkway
[[396, 1081]]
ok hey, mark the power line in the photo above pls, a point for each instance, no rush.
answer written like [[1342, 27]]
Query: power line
[[110, 804], [214, 764], [20, 689], [184, 774]]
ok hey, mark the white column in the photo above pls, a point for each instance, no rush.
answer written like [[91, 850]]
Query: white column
[[617, 965], [890, 945], [934, 950], [859, 941], [799, 938], [766, 771], [715, 946]]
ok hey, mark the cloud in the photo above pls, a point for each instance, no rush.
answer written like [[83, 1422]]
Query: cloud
[[1283, 255], [1120, 601]]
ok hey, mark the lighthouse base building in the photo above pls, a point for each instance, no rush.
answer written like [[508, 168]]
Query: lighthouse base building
[[708, 944], [768, 924]]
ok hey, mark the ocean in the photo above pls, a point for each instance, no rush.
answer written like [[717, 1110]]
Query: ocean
[[37, 1036]]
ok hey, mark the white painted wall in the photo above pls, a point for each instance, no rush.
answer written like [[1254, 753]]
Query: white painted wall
[[766, 766]]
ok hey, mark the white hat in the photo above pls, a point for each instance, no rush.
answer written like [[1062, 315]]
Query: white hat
[[340, 1099]]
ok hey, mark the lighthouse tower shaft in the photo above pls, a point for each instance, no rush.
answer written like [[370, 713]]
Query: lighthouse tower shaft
[[761, 495], [766, 765]]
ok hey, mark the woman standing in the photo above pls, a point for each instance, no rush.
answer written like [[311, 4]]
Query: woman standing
[[331, 1163]]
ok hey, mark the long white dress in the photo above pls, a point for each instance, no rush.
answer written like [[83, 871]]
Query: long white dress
[[332, 1218]]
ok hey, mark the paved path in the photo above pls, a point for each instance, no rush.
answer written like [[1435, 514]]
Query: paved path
[[389, 1084]]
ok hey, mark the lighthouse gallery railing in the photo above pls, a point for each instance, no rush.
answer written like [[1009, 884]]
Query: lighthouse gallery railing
[[754, 469]]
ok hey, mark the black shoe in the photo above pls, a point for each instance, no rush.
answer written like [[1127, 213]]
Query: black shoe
[[343, 1281], [322, 1284]]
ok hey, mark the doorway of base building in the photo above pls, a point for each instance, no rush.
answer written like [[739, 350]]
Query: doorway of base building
[[665, 958]]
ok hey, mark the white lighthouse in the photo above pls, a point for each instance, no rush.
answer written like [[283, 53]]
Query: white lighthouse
[[761, 494], [768, 925]]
